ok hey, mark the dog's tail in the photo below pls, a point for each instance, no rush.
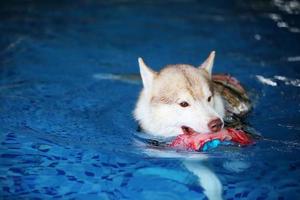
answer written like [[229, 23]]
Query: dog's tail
[[196, 164], [207, 179]]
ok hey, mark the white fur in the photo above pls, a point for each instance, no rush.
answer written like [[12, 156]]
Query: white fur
[[177, 82]]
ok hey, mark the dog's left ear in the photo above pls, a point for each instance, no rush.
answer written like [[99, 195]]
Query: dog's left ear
[[207, 65], [147, 74]]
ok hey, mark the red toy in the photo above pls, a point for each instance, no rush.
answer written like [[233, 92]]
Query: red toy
[[195, 141]]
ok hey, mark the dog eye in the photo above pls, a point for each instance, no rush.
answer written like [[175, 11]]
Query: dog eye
[[209, 98], [184, 104]]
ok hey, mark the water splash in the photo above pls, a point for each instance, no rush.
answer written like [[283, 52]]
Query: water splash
[[273, 81]]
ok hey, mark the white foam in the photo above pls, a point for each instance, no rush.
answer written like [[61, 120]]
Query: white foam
[[266, 81], [257, 37], [275, 17], [117, 77], [106, 76], [290, 7], [293, 59], [278, 78], [294, 30], [236, 166], [281, 78], [288, 81]]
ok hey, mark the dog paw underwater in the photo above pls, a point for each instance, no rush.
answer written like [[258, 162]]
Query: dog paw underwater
[[187, 108]]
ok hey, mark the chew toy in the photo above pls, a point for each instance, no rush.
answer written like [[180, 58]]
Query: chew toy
[[203, 142]]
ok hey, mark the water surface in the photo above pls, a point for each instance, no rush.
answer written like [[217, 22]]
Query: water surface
[[68, 87]]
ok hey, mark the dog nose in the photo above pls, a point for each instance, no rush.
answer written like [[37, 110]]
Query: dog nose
[[215, 125]]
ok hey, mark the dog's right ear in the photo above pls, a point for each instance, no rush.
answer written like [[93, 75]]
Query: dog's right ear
[[147, 74], [208, 64]]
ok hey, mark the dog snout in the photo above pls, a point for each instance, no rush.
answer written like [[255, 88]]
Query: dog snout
[[215, 125]]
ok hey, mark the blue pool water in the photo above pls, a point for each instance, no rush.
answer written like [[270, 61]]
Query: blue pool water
[[68, 88]]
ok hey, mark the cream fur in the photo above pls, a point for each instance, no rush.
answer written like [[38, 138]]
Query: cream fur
[[158, 110]]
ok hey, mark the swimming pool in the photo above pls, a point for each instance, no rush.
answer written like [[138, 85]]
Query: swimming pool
[[68, 87]]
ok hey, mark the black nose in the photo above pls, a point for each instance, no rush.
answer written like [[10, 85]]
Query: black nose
[[215, 125]]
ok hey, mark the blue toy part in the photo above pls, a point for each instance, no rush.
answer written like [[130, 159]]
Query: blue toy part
[[214, 144], [211, 144]]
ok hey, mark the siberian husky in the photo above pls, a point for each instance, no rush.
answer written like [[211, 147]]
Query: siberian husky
[[181, 98]]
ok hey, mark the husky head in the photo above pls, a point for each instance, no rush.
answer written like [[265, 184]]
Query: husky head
[[179, 98]]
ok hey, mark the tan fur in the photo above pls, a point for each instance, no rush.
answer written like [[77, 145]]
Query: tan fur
[[159, 109], [174, 78]]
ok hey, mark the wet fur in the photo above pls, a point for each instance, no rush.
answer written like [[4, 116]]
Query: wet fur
[[157, 109]]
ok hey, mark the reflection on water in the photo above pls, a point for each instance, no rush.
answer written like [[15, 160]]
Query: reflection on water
[[130, 78]]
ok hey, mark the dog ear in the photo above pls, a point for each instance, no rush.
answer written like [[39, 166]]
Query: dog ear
[[147, 74], [207, 65]]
